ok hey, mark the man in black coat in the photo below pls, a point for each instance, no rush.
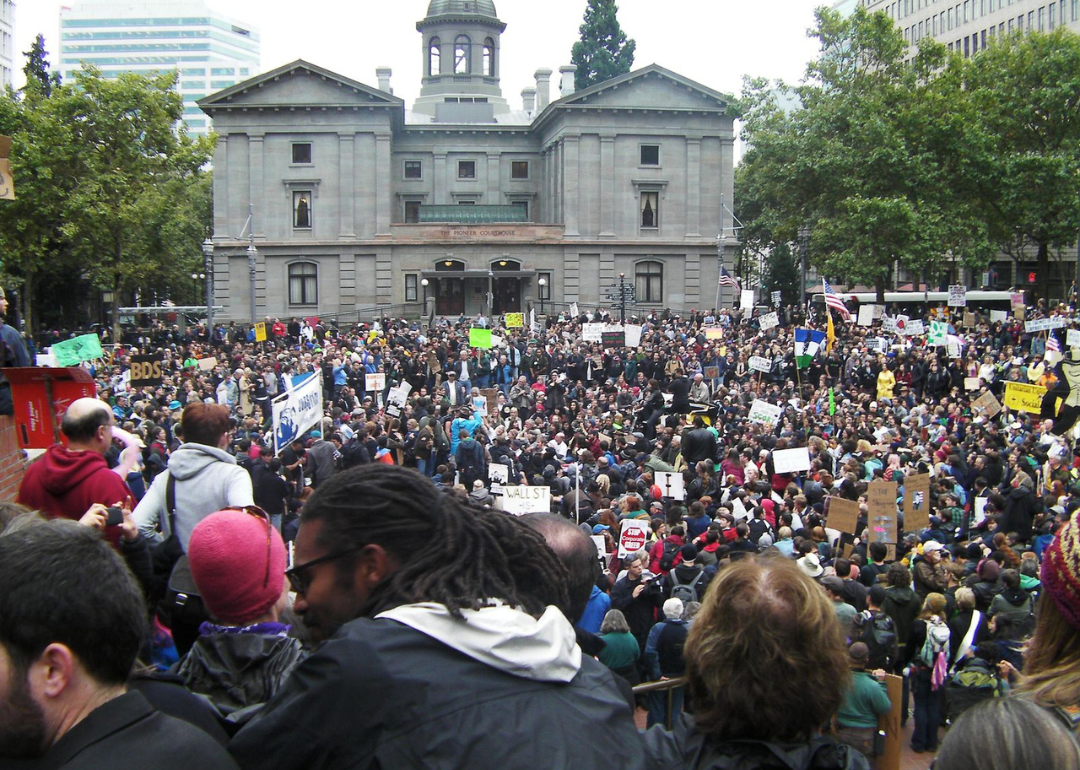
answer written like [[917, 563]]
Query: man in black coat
[[74, 621], [699, 443]]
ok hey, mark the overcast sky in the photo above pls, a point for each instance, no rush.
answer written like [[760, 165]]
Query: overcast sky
[[715, 42]]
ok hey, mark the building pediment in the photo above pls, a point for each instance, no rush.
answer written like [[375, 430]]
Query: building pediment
[[650, 88], [299, 84]]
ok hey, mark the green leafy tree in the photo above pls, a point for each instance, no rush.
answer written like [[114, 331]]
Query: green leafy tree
[[1025, 96], [860, 152], [36, 69], [604, 50]]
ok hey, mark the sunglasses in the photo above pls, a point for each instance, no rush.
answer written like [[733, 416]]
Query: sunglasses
[[259, 513], [295, 575]]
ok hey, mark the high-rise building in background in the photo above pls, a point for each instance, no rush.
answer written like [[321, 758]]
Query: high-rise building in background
[[210, 50], [7, 41]]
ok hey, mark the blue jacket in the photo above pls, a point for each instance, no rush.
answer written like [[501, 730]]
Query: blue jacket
[[595, 610]]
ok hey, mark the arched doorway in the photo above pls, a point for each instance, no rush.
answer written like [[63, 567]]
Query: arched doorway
[[507, 289], [449, 291]]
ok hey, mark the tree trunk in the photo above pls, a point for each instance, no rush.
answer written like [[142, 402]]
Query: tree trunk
[[1043, 268], [879, 288], [116, 310], [29, 323]]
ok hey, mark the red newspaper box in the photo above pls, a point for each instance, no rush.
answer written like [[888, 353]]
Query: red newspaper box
[[41, 396]]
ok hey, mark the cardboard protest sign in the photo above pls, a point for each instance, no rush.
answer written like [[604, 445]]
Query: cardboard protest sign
[[514, 320], [881, 504], [764, 413], [1024, 398], [7, 182], [791, 460], [207, 364], [768, 321], [711, 372], [714, 333], [73, 352], [491, 395], [145, 371], [843, 514], [998, 316], [522, 500], [632, 536], [760, 364], [969, 319], [917, 502], [972, 383], [987, 402]]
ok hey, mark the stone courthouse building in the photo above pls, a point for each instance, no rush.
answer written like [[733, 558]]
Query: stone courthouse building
[[356, 200]]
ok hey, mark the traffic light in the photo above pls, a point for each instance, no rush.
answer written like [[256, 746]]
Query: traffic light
[[1031, 277]]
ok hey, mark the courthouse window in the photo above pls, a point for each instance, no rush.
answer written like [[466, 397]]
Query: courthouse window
[[650, 214], [301, 153], [303, 283], [302, 209]]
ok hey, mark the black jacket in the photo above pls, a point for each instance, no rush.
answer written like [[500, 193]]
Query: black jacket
[[126, 733], [697, 445], [1021, 506], [383, 695]]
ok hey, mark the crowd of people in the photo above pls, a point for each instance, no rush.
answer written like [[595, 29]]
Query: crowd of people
[[259, 592]]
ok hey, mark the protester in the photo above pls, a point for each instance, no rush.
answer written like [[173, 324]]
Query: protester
[[867, 700]]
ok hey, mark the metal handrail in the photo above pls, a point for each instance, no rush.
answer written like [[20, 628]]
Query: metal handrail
[[664, 685]]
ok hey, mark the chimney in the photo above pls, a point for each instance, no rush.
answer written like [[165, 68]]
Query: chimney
[[383, 74], [543, 89], [567, 71], [528, 99]]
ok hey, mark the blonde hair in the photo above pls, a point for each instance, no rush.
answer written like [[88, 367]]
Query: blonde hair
[[1052, 659]]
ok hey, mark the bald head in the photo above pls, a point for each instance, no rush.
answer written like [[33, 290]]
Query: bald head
[[87, 424]]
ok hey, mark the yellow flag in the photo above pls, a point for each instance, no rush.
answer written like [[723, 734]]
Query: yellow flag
[[830, 333]]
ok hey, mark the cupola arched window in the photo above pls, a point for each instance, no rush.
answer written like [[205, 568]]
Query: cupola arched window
[[434, 57], [489, 58], [462, 52]]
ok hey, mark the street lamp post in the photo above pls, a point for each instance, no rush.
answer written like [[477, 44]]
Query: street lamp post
[[804, 247], [208, 265], [542, 283], [622, 298], [252, 253]]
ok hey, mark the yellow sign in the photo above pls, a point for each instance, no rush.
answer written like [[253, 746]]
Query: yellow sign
[[260, 332], [714, 333], [515, 320], [1024, 398]]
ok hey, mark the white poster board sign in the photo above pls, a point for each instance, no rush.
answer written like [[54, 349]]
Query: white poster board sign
[[601, 546], [374, 383], [499, 473], [957, 295], [632, 536], [915, 328], [746, 299], [791, 460], [776, 299], [998, 316], [760, 364], [633, 335], [889, 325], [764, 413], [866, 315], [592, 332], [769, 321], [1072, 338], [671, 485], [521, 500]]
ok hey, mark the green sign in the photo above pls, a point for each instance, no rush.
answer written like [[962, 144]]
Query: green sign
[[480, 338], [78, 349]]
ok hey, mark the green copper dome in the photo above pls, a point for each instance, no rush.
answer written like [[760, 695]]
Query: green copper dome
[[478, 7]]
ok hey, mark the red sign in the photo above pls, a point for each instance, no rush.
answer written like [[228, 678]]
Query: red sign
[[42, 396], [633, 536]]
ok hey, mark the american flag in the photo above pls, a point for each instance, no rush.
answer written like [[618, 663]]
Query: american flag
[[727, 279], [833, 301], [1052, 345]]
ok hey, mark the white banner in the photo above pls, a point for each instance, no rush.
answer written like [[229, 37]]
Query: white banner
[[298, 411], [769, 321], [791, 460], [765, 413], [633, 335], [522, 500], [760, 364]]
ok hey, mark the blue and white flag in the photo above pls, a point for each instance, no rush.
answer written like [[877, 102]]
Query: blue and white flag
[[807, 343], [297, 411]]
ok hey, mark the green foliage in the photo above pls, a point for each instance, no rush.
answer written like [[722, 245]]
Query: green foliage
[[108, 187], [38, 77], [604, 50]]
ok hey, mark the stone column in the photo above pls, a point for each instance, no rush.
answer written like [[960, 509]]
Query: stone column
[[384, 197], [347, 190], [607, 186], [256, 183], [693, 187], [572, 186]]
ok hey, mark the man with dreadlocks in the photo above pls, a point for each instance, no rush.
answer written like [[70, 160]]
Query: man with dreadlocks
[[444, 645]]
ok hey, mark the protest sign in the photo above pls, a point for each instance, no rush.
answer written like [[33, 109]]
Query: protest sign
[[1072, 338], [1024, 398], [969, 319], [1037, 325], [522, 500], [514, 320], [479, 405], [972, 383], [592, 332], [714, 333], [866, 315], [479, 338], [987, 403], [73, 352], [760, 364], [954, 349], [7, 181], [890, 325], [260, 332], [207, 364], [764, 413], [632, 536], [671, 485], [776, 299], [881, 504], [939, 330], [374, 383], [998, 316], [145, 371], [843, 514], [497, 472], [711, 372], [1016, 298], [613, 337], [957, 295], [297, 411], [746, 299], [633, 335], [917, 502], [491, 395], [791, 460], [768, 321], [914, 328]]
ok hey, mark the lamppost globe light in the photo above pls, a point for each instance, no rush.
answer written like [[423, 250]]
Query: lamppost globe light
[[542, 282], [424, 282]]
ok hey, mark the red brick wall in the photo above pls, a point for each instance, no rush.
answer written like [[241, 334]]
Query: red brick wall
[[12, 462]]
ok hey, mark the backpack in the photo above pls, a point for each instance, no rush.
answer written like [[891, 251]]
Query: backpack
[[667, 559], [969, 686], [758, 527], [935, 650], [878, 633], [687, 592]]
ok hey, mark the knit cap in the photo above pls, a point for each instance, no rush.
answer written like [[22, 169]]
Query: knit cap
[[228, 554], [1061, 572]]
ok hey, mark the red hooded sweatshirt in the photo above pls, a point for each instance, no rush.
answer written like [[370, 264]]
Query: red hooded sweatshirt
[[65, 483]]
